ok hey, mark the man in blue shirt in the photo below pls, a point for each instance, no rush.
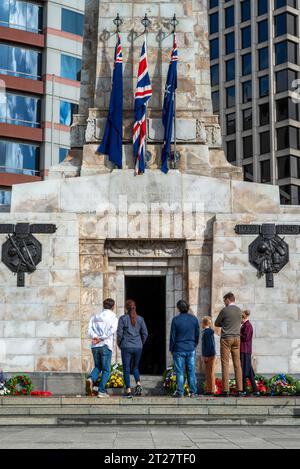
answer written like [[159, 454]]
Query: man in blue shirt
[[184, 338]]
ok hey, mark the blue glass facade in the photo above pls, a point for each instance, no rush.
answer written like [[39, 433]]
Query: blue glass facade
[[20, 62], [21, 110], [21, 15], [20, 158]]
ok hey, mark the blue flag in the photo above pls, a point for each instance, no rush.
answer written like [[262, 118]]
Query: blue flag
[[112, 141], [168, 109]]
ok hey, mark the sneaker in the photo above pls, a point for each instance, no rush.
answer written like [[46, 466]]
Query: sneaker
[[127, 395], [103, 395], [89, 387], [138, 390], [241, 394], [256, 394], [177, 394], [193, 395]]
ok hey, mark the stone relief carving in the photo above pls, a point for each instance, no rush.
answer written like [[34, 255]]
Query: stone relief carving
[[90, 134], [143, 248], [201, 133], [213, 135]]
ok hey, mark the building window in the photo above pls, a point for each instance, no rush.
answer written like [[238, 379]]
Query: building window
[[19, 158], [22, 15], [262, 31], [230, 96], [20, 62], [229, 43], [70, 67], [230, 70], [5, 196], [247, 91], [248, 172], [214, 23], [245, 10], [286, 109], [264, 114], [214, 75], [62, 153], [229, 17], [246, 37], [283, 3], [215, 96], [213, 3], [264, 142], [247, 147], [230, 123], [287, 137], [67, 110], [265, 171], [286, 51], [264, 86], [72, 22], [284, 167], [247, 119], [262, 7], [246, 64], [284, 80], [214, 49], [289, 195], [231, 151], [21, 110], [263, 58], [285, 23]]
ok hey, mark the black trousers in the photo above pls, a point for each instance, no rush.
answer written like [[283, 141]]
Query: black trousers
[[248, 371]]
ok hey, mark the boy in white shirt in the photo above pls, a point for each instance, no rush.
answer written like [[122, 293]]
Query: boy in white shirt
[[102, 328]]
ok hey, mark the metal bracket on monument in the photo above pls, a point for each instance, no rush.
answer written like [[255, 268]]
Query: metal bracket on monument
[[268, 253], [22, 252]]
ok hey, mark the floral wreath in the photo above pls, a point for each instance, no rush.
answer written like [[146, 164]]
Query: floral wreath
[[20, 385]]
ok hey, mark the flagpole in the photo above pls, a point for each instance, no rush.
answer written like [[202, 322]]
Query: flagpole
[[146, 23], [174, 22]]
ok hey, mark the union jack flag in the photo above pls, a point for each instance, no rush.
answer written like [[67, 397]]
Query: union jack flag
[[142, 95]]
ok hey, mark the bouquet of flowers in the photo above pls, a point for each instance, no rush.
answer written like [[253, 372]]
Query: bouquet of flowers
[[116, 379], [170, 383], [282, 385], [4, 391], [218, 387], [261, 383]]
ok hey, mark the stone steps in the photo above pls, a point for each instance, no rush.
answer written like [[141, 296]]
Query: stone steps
[[68, 411]]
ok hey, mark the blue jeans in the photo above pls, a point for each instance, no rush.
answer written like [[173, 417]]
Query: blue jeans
[[186, 360], [102, 359], [131, 359]]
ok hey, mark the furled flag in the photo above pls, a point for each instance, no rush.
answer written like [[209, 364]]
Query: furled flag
[[142, 95], [168, 108], [112, 141]]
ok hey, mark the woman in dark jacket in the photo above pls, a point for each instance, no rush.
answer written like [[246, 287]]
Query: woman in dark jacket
[[131, 335], [246, 352]]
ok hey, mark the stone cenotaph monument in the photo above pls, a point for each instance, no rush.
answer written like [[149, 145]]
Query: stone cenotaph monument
[[156, 237]]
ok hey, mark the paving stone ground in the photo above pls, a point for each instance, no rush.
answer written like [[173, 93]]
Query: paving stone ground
[[145, 437]]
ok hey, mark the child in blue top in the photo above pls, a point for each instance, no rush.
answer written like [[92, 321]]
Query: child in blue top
[[209, 355]]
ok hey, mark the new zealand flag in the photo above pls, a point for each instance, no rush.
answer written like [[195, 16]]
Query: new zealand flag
[[168, 108], [142, 95], [112, 141]]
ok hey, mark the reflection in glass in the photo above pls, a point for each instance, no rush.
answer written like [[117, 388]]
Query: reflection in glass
[[5, 196], [67, 110], [19, 14], [20, 62], [19, 158], [21, 110], [70, 67]]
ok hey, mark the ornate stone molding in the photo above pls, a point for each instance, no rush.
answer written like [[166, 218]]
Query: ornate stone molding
[[201, 134], [213, 135], [142, 248], [90, 134]]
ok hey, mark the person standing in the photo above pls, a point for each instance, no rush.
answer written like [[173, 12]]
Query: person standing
[[229, 320], [132, 334], [102, 328], [246, 352], [209, 355], [184, 339]]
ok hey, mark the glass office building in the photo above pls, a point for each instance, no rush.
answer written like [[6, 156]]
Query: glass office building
[[254, 52]]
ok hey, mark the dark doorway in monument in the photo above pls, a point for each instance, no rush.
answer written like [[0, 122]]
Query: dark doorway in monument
[[149, 293]]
